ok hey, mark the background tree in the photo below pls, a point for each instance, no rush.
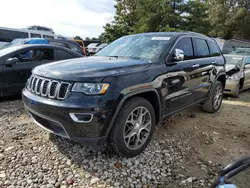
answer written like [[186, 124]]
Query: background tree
[[78, 38], [216, 18], [230, 18]]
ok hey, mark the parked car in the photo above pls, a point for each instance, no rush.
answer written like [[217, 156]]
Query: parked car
[[16, 63], [101, 46], [92, 48], [241, 79], [118, 96], [72, 45], [97, 48], [81, 43], [16, 42]]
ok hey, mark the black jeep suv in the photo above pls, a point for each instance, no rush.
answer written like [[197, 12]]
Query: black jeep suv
[[120, 94]]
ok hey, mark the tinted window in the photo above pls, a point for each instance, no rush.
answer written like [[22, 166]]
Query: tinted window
[[61, 54], [58, 44], [33, 35], [185, 44], [48, 37], [35, 55], [8, 35], [214, 49], [73, 48], [200, 48]]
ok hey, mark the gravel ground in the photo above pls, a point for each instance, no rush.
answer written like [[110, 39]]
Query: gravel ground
[[187, 150]]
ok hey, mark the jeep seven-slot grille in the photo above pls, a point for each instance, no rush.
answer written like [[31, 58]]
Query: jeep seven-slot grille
[[48, 88]]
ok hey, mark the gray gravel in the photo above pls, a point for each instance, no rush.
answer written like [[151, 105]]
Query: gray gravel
[[30, 157]]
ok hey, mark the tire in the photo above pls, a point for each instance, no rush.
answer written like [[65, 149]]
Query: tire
[[119, 141], [209, 105], [236, 94]]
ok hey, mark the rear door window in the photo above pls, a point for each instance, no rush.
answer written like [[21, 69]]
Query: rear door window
[[200, 48], [74, 48], [214, 49], [61, 55]]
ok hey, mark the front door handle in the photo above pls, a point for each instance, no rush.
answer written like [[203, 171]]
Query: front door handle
[[195, 65]]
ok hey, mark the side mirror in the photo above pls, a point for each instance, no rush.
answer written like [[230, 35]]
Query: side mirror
[[247, 66], [178, 55], [12, 61]]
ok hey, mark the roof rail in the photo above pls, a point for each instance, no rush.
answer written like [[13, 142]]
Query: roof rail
[[196, 33]]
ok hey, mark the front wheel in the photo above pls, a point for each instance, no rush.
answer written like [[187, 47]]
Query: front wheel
[[133, 128], [214, 100]]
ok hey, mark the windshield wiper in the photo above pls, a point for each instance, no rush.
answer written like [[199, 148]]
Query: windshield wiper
[[116, 56], [131, 57]]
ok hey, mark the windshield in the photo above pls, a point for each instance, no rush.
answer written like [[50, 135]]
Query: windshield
[[234, 60], [14, 43], [136, 46], [8, 50], [243, 51]]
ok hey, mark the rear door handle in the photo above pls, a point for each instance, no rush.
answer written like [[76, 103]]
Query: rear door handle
[[195, 65]]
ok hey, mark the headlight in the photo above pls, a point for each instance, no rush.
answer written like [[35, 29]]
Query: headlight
[[90, 88], [237, 76], [233, 77]]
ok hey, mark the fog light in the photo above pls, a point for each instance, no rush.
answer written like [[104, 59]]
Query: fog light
[[81, 117]]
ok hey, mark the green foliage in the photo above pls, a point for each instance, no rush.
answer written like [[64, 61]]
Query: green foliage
[[230, 18], [217, 18]]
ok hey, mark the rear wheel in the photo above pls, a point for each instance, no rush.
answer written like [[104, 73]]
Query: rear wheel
[[133, 128], [214, 100]]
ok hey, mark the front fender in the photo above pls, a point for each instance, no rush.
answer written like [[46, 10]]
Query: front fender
[[125, 97]]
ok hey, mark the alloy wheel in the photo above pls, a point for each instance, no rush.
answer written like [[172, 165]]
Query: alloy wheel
[[218, 95], [137, 128]]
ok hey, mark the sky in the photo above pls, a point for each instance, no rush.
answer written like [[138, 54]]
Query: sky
[[69, 18]]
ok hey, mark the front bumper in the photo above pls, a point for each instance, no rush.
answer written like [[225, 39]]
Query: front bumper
[[231, 87], [54, 116]]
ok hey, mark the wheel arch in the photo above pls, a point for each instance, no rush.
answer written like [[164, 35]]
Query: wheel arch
[[222, 78], [149, 94], [242, 82]]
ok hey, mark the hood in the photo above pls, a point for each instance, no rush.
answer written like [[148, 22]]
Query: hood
[[231, 69], [82, 69]]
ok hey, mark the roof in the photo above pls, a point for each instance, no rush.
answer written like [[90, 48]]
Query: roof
[[174, 34], [41, 45], [64, 41]]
